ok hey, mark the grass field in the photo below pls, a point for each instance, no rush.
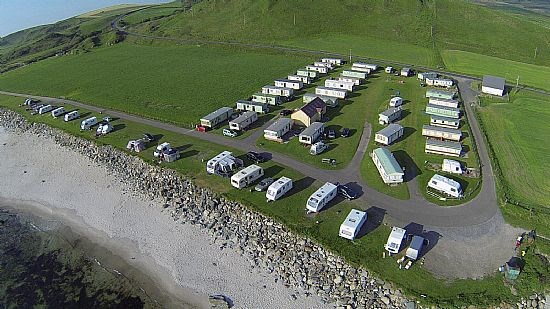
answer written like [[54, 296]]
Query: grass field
[[110, 10], [365, 251], [519, 137], [178, 84], [479, 65]]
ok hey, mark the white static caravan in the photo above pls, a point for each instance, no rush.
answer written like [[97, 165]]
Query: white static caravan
[[71, 116], [333, 83], [278, 129], [352, 225], [300, 78], [406, 72], [439, 82], [390, 115], [415, 248], [278, 188], [334, 61], [324, 64], [320, 69], [332, 92], [321, 197], [308, 73], [312, 133], [86, 124], [395, 239], [281, 91], [243, 105], [224, 162], [389, 134], [445, 185], [387, 166], [216, 117], [58, 112], [357, 74], [444, 122], [355, 80], [372, 67], [45, 109], [451, 166], [388, 70], [361, 69], [329, 101], [287, 83], [444, 102], [446, 148], [442, 133], [396, 101], [246, 176], [243, 121], [270, 99], [424, 75]]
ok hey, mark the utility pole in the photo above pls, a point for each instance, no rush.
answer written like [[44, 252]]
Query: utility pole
[[517, 84], [536, 51], [350, 56], [294, 19]]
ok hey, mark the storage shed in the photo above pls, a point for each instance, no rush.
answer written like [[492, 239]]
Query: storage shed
[[355, 80], [443, 111], [320, 69], [243, 105], [493, 85], [390, 115], [312, 133], [438, 93], [332, 92], [329, 101], [216, 117], [243, 121], [357, 74], [442, 133], [278, 129], [287, 83], [389, 134], [310, 112], [447, 148], [281, 91], [406, 72], [387, 166], [271, 99], [444, 102], [333, 83], [308, 73], [300, 78], [444, 122]]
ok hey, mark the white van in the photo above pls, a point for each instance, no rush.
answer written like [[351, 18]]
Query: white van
[[161, 149], [45, 109], [246, 176], [71, 116], [58, 112], [86, 124], [278, 188], [321, 197], [353, 223], [318, 148]]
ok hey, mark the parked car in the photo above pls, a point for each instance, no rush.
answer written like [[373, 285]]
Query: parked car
[[255, 157], [285, 112], [331, 133], [227, 132], [345, 132], [347, 192], [262, 186], [148, 137]]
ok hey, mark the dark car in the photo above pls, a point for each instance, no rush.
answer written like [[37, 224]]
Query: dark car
[[331, 133], [345, 132], [347, 192], [255, 157], [262, 185], [285, 112]]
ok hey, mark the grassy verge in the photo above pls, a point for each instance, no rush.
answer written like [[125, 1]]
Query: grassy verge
[[365, 251]]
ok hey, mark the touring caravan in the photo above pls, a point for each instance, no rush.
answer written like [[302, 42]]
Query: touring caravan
[[445, 185], [58, 112], [395, 239], [170, 155], [71, 116], [86, 124], [321, 197], [415, 248], [396, 101], [223, 164], [246, 176], [317, 148], [136, 145], [352, 225], [161, 149], [103, 129], [451, 166], [278, 188], [45, 109]]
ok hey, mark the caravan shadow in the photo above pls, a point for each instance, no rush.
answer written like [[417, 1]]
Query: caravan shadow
[[300, 186], [189, 153], [182, 147], [85, 115], [272, 171], [375, 217], [430, 241], [119, 126], [157, 137], [414, 229], [355, 187], [407, 131], [411, 169]]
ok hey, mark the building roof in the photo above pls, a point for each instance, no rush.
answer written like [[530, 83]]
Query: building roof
[[276, 87], [447, 119], [493, 82], [441, 129], [242, 118], [354, 217], [279, 124], [442, 107], [253, 103], [316, 106], [390, 129], [259, 94], [314, 127], [331, 88], [387, 160], [439, 92], [446, 144], [451, 182], [215, 114], [390, 111], [285, 80]]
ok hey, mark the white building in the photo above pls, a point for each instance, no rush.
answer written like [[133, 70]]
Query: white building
[[362, 75], [253, 106], [395, 240], [389, 134], [444, 102], [352, 225], [333, 83], [493, 85], [278, 129], [451, 166], [387, 166], [312, 133], [300, 78], [278, 188], [287, 83], [246, 176], [355, 80], [334, 61], [308, 73], [442, 133], [439, 82], [280, 91], [390, 115], [331, 92], [446, 148], [445, 185], [216, 117], [396, 101], [243, 121], [320, 69], [321, 197], [444, 122]]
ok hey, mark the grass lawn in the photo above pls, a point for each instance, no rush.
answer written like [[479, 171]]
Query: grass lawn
[[479, 65], [365, 251], [409, 150], [177, 84], [519, 137]]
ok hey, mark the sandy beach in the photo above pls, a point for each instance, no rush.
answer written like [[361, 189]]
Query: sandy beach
[[42, 177]]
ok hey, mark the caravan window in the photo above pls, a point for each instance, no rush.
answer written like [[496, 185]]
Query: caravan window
[[313, 201], [453, 190], [434, 182], [345, 232]]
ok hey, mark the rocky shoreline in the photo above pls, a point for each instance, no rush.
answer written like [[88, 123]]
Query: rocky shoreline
[[293, 259]]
